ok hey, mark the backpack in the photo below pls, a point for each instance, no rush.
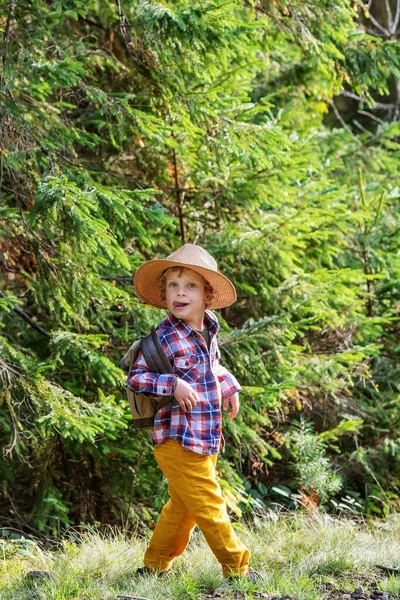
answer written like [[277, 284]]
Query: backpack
[[143, 406]]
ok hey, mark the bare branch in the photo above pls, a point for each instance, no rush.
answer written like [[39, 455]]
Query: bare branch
[[344, 124], [374, 32], [361, 127], [124, 27], [377, 105], [396, 19], [371, 116], [6, 38], [389, 15], [397, 109], [178, 198], [375, 22]]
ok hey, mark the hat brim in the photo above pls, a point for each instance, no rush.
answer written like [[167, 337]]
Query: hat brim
[[146, 282]]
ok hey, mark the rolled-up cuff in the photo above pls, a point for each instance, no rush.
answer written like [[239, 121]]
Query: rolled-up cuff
[[164, 384], [152, 383], [229, 384]]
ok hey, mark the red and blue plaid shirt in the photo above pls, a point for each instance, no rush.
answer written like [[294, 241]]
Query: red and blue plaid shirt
[[200, 429]]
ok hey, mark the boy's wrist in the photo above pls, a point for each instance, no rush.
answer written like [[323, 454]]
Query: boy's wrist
[[174, 383]]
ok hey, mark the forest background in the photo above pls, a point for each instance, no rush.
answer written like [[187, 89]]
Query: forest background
[[268, 132]]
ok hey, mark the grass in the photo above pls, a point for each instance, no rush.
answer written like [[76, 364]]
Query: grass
[[309, 557]]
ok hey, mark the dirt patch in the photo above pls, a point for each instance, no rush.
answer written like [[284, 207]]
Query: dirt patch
[[326, 590]]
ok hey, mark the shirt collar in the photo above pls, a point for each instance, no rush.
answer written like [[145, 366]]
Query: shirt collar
[[185, 330]]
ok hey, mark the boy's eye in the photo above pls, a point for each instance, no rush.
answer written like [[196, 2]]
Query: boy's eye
[[172, 284], [191, 285]]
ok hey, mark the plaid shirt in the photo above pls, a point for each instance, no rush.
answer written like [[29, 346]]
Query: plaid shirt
[[200, 429]]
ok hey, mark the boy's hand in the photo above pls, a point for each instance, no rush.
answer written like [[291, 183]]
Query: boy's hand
[[185, 395], [232, 400]]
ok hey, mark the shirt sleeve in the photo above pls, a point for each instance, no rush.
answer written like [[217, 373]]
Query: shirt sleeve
[[142, 380]]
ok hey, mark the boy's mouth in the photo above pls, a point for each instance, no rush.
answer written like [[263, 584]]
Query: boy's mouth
[[180, 304]]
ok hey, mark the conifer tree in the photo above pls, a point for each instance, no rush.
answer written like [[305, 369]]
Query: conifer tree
[[130, 127]]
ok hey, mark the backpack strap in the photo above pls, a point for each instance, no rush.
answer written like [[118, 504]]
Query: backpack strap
[[154, 354]]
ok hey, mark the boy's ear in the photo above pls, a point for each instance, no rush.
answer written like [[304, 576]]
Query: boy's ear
[[209, 298]]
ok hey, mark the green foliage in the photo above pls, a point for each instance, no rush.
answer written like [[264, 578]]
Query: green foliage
[[15, 545], [311, 465], [130, 127]]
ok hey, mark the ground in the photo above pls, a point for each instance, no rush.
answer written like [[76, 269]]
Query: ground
[[300, 557]]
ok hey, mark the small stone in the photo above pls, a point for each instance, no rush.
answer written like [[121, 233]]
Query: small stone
[[378, 595], [38, 574], [387, 569], [346, 597]]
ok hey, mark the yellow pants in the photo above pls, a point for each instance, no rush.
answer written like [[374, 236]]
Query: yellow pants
[[195, 499]]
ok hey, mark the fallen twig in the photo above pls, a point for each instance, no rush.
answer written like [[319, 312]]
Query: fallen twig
[[123, 597]]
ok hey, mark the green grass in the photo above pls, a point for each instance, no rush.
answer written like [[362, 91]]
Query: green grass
[[310, 557]]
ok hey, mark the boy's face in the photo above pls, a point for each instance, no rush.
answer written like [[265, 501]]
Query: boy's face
[[185, 296]]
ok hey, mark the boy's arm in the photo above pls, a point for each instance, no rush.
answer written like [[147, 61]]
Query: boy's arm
[[142, 380], [229, 384], [230, 389]]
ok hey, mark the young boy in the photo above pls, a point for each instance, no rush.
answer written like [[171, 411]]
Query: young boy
[[187, 432]]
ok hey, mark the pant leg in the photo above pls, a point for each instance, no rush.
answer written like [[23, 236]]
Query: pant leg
[[192, 479], [171, 534]]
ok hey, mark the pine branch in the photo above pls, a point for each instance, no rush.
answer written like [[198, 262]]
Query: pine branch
[[27, 318]]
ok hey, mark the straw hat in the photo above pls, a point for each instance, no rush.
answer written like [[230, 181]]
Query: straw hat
[[190, 256]]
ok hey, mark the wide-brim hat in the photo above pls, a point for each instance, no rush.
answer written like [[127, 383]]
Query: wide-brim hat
[[193, 257]]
